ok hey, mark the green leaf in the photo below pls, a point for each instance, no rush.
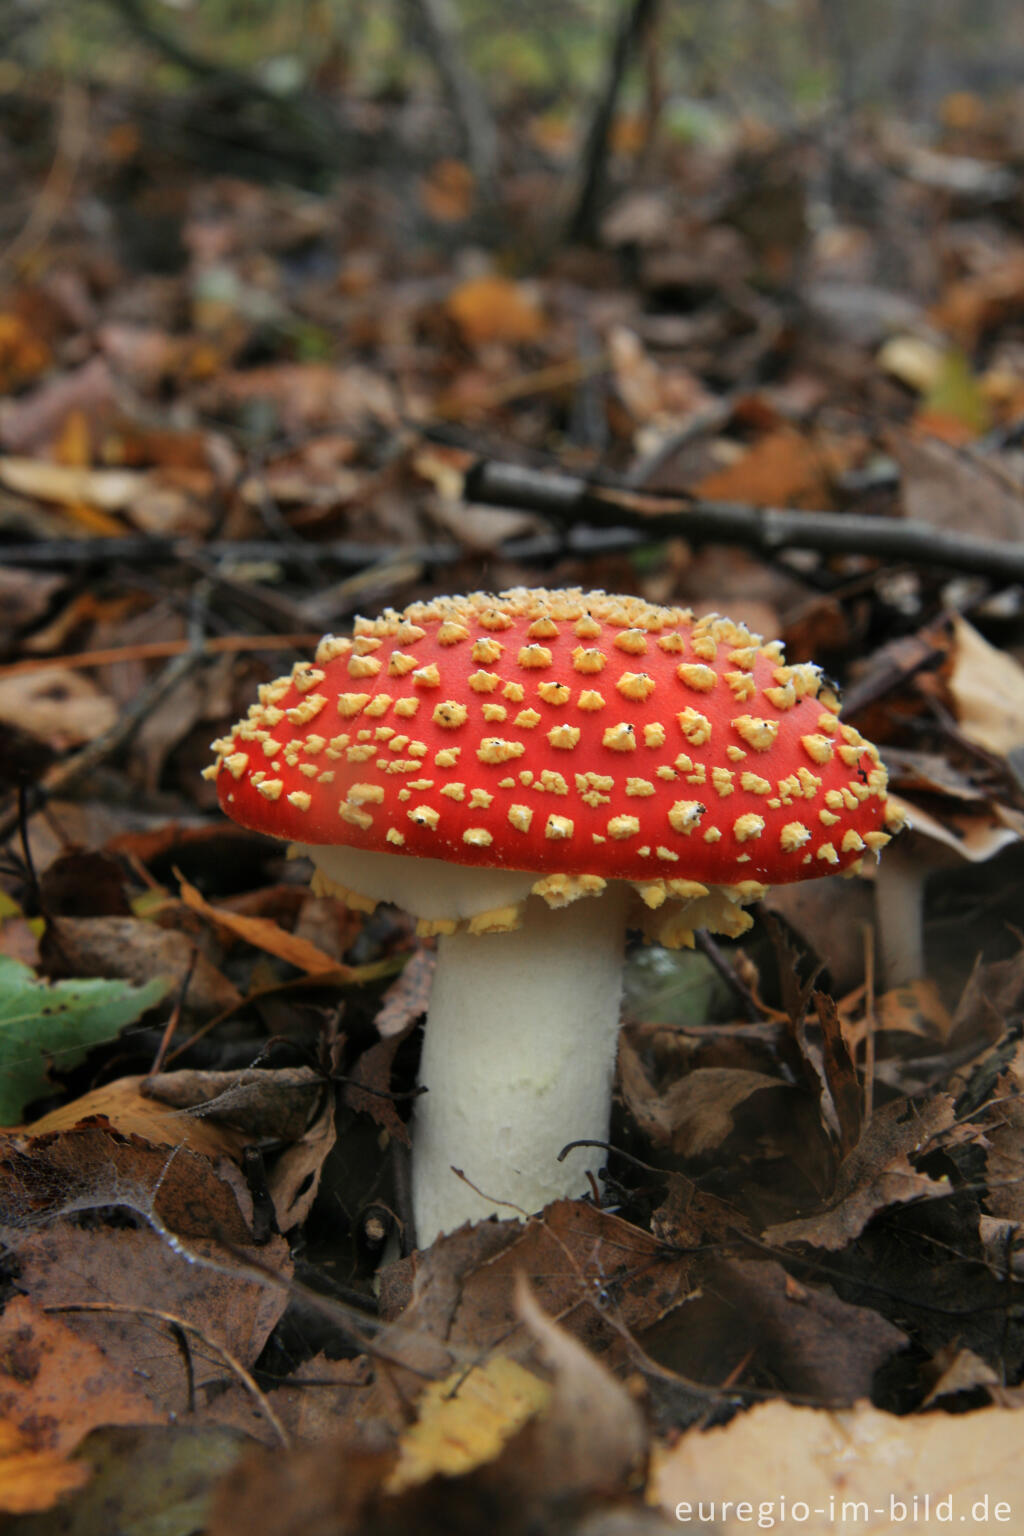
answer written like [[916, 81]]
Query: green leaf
[[45, 1022]]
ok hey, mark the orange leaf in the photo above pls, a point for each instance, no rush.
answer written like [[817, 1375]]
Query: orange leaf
[[30, 1480], [264, 934], [495, 309], [782, 469]]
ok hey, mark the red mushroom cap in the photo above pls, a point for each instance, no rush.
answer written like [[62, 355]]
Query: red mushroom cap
[[560, 731]]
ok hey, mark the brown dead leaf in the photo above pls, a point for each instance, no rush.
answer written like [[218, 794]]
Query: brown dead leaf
[[29, 422], [939, 481], [368, 1089], [916, 1009], [23, 353], [324, 1396], [809, 1340], [109, 1279], [595, 1273], [489, 309], [694, 1114], [987, 688], [447, 191], [843, 1467], [975, 304], [130, 1111], [108, 490], [407, 998], [59, 706], [653, 394], [277, 1104], [294, 1180], [878, 1173], [959, 1370], [25, 597], [136, 950], [55, 1386], [782, 469], [92, 1165], [306, 395], [30, 1480]]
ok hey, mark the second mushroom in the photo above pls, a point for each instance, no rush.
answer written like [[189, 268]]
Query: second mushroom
[[530, 774]]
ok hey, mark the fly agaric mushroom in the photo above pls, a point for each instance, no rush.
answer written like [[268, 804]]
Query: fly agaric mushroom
[[529, 774]]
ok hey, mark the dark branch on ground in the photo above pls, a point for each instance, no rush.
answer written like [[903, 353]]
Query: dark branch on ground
[[565, 500]]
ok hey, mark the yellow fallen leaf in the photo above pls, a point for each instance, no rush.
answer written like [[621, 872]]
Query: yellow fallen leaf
[[466, 1420]]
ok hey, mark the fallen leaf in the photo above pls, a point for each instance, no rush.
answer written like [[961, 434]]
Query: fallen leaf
[[55, 1386], [131, 1112], [408, 997], [490, 309], [855, 1468], [266, 935], [465, 1419], [146, 1479], [57, 705], [592, 1437], [56, 1023], [107, 1282], [294, 1181], [33, 1480], [108, 490], [597, 1274], [138, 950], [878, 1173], [987, 689], [446, 192], [808, 1339], [696, 1113], [782, 469], [938, 481]]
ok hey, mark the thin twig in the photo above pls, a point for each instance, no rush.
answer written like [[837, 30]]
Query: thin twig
[[154, 650]]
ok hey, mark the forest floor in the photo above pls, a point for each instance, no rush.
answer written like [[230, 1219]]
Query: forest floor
[[235, 414]]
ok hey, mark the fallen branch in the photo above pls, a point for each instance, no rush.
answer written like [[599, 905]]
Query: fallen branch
[[565, 499]]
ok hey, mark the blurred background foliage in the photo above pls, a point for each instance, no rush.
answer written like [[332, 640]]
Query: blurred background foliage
[[538, 62]]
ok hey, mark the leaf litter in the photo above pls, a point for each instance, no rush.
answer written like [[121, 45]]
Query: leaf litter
[[806, 1259]]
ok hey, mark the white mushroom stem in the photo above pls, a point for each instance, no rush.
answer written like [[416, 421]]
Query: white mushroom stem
[[518, 1060], [521, 1036]]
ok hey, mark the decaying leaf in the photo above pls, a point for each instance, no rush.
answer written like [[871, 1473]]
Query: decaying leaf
[[987, 688], [879, 1172], [57, 705], [858, 1465], [601, 1277], [464, 1420], [56, 1386], [31, 1480]]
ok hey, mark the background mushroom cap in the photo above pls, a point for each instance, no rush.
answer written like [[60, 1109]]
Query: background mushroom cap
[[560, 731]]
